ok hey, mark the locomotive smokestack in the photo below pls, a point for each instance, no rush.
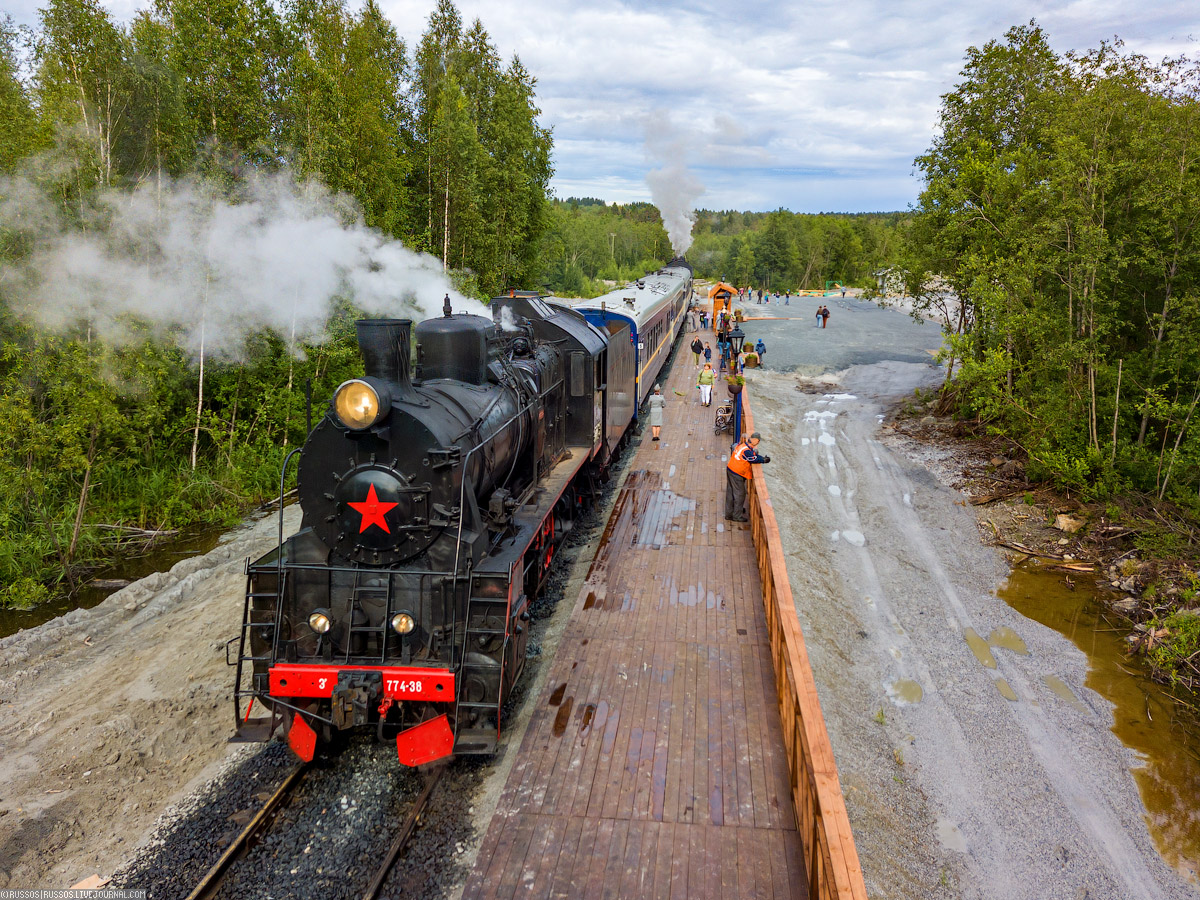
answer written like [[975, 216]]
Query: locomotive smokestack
[[385, 348]]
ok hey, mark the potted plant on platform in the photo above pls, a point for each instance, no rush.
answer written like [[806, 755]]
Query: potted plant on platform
[[751, 361], [735, 383]]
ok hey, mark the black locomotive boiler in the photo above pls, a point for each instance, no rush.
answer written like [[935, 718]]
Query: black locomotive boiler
[[434, 499]]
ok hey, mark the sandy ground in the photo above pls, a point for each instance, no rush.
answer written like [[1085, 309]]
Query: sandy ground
[[961, 779], [112, 713]]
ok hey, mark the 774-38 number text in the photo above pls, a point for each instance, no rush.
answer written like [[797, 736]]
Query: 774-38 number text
[[399, 686]]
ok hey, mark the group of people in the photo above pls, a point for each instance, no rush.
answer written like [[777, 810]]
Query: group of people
[[822, 316], [749, 295], [742, 457]]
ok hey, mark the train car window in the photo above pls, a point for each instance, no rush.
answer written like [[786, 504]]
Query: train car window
[[578, 388]]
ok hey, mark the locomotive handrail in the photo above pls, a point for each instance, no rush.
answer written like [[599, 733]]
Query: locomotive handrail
[[279, 559]]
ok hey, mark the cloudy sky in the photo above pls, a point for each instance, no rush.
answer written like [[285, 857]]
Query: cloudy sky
[[809, 106]]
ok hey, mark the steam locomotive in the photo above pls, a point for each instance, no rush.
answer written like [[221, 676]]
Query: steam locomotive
[[434, 500]]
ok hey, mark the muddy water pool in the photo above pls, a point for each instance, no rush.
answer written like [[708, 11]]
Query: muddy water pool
[[131, 568], [1148, 718]]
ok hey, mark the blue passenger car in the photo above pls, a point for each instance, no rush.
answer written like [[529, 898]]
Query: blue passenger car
[[654, 309]]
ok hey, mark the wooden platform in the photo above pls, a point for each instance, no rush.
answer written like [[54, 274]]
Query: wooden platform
[[654, 763]]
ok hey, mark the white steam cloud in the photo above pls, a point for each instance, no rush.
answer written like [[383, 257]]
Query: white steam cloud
[[673, 188], [212, 271]]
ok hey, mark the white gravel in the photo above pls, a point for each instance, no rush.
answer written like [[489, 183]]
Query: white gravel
[[953, 790]]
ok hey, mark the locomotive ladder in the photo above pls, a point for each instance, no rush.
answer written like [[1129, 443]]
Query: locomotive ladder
[[259, 729], [357, 593], [483, 616]]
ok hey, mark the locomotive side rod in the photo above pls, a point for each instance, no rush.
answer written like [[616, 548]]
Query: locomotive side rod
[[213, 878], [406, 831]]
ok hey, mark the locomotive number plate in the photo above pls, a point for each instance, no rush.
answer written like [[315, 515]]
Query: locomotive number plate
[[407, 683]]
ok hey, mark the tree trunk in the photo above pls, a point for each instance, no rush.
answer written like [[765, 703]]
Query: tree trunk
[[446, 226], [1178, 439], [1116, 411], [83, 493], [1158, 339], [200, 388]]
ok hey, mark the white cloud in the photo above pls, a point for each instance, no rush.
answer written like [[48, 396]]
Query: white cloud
[[819, 105]]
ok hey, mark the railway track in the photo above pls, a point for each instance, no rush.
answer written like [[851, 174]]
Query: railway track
[[210, 885]]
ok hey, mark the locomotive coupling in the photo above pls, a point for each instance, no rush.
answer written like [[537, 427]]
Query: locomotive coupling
[[352, 698]]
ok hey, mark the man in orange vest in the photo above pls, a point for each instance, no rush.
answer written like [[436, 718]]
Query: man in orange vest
[[738, 474]]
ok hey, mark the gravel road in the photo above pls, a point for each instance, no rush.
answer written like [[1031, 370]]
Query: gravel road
[[965, 774]]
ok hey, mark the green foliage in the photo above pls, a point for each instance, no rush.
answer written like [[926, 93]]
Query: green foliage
[[23, 593], [442, 149], [1180, 643], [1057, 238], [589, 248]]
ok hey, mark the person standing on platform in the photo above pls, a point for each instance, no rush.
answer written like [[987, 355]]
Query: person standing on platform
[[707, 353], [738, 474], [761, 349], [697, 349], [705, 383], [657, 402]]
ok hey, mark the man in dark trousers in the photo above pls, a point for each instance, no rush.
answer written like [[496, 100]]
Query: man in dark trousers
[[738, 474]]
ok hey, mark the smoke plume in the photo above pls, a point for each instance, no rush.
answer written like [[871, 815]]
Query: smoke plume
[[209, 271], [673, 188]]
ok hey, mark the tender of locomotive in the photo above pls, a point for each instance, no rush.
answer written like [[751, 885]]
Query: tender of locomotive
[[434, 500]]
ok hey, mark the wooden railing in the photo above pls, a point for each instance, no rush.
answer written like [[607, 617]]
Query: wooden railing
[[834, 872]]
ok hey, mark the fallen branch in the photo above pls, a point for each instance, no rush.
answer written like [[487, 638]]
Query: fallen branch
[[992, 498], [145, 532], [1029, 551]]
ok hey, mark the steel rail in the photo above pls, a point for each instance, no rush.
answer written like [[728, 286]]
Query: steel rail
[[214, 877], [405, 833]]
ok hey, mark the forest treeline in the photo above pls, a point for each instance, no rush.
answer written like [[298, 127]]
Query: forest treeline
[[1061, 207], [588, 243], [438, 145]]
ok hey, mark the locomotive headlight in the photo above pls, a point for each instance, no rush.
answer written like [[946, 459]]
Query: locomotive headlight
[[403, 623], [358, 404], [319, 621]]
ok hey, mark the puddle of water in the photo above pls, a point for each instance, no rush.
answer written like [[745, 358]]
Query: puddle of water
[[1008, 639], [980, 648], [1060, 687], [587, 714], [904, 691], [1146, 718], [1006, 690], [131, 568], [950, 836], [562, 717]]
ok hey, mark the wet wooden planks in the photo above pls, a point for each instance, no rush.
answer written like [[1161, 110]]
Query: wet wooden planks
[[653, 764]]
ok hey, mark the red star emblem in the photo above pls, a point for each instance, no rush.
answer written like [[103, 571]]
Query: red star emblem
[[372, 511]]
